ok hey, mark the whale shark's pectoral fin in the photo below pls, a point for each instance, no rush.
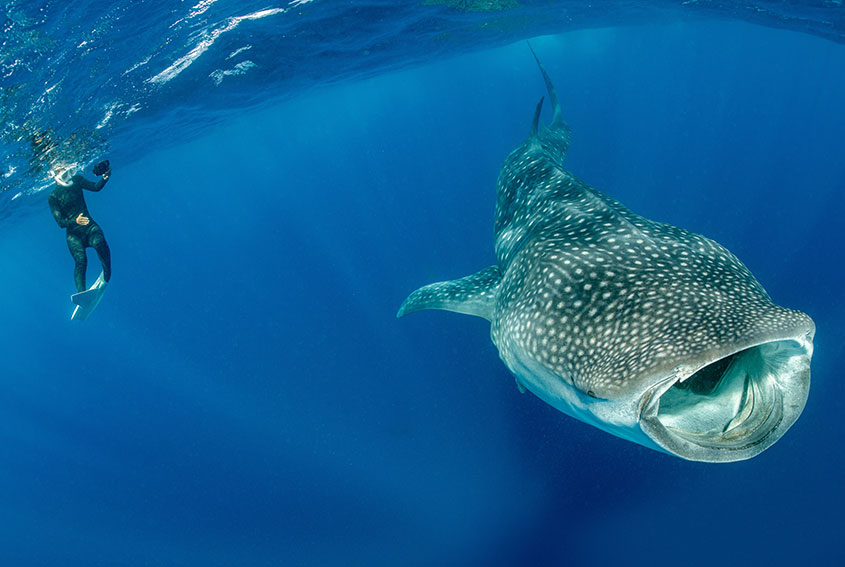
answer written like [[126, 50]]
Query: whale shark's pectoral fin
[[472, 295]]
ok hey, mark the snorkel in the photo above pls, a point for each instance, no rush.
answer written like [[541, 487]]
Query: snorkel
[[63, 175]]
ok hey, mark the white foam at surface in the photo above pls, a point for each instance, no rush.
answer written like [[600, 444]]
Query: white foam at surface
[[210, 37], [237, 51], [239, 69], [109, 113], [197, 10]]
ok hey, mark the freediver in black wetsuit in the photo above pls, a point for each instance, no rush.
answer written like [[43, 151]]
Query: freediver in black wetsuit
[[67, 204]]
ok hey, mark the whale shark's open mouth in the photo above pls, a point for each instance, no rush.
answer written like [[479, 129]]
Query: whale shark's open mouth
[[734, 407]]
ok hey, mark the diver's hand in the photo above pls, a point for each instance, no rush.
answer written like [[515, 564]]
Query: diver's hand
[[82, 220]]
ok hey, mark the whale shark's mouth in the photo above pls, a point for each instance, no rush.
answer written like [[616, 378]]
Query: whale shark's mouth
[[734, 407]]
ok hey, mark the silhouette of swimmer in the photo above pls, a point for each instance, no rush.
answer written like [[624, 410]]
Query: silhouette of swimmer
[[67, 204]]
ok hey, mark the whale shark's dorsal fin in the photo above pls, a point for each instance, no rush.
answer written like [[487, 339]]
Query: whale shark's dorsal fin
[[536, 121], [471, 295]]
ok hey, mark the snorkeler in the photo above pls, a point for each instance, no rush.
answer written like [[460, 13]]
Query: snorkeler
[[67, 204]]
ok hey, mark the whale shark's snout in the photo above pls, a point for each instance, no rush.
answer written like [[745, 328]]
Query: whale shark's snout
[[726, 404], [643, 329], [727, 401]]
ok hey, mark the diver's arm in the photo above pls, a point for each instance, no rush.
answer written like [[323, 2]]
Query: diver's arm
[[57, 213], [90, 185]]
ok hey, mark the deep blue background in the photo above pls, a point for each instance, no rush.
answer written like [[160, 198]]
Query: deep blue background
[[245, 396]]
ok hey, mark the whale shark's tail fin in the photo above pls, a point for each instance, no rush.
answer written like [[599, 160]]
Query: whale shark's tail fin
[[556, 136], [535, 123], [472, 295], [557, 117]]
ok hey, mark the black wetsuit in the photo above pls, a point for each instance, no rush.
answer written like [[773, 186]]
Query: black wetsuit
[[66, 203]]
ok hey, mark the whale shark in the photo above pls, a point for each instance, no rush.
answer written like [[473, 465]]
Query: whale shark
[[648, 331]]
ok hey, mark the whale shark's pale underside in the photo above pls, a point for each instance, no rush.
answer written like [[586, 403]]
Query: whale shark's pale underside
[[648, 331]]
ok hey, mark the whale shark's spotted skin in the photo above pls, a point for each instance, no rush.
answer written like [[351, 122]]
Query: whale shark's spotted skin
[[600, 295], [589, 300]]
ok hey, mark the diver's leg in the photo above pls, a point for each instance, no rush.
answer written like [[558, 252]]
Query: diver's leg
[[77, 250], [97, 241]]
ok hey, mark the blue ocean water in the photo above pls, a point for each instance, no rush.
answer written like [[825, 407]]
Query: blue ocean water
[[244, 394]]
